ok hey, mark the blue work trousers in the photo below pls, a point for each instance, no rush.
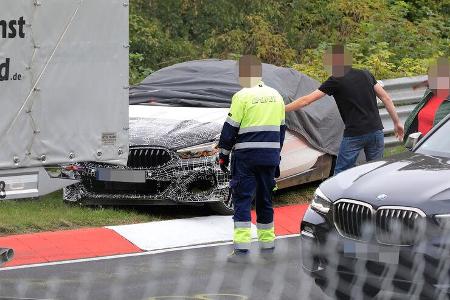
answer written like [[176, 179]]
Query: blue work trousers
[[248, 182]]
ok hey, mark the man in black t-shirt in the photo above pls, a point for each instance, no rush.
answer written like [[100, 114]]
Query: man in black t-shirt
[[355, 93]]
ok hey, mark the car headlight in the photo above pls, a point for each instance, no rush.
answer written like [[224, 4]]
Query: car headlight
[[203, 150], [320, 202]]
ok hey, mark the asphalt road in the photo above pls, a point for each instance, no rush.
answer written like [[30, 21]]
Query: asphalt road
[[201, 273]]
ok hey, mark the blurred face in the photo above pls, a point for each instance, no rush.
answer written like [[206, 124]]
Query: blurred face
[[337, 60], [439, 77], [250, 71]]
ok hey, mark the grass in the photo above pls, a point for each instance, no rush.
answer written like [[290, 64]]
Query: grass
[[394, 150], [295, 195], [50, 213]]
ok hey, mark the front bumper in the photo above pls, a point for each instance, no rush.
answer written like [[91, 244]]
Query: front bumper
[[191, 181], [329, 257]]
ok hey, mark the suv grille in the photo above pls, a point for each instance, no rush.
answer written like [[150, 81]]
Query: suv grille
[[393, 225], [351, 216], [146, 158], [399, 226]]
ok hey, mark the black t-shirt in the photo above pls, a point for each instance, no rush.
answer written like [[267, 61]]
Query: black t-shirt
[[356, 100]]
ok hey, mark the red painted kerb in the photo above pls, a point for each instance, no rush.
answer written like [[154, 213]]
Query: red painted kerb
[[99, 242]]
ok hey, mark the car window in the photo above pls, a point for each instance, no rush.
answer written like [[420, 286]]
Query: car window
[[438, 144]]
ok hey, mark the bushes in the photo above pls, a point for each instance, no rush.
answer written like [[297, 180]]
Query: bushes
[[392, 38], [151, 48], [259, 39]]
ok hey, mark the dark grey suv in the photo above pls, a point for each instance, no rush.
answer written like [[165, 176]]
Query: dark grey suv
[[384, 225]]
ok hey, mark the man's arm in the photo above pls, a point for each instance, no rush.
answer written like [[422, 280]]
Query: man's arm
[[230, 132], [231, 127], [304, 101], [387, 101], [282, 127], [228, 136], [282, 133]]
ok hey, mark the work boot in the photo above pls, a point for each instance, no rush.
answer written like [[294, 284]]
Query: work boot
[[239, 256]]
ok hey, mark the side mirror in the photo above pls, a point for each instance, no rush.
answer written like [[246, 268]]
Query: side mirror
[[412, 140]]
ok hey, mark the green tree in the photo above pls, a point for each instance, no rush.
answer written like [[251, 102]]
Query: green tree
[[391, 38]]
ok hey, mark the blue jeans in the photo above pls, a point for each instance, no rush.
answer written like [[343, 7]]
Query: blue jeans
[[371, 143]]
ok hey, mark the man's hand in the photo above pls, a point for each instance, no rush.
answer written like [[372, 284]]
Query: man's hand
[[224, 161], [399, 131], [277, 170], [387, 101]]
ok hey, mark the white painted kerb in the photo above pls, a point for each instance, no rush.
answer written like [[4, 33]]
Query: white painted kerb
[[179, 233]]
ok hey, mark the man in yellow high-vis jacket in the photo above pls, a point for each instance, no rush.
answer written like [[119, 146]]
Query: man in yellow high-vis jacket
[[254, 131]]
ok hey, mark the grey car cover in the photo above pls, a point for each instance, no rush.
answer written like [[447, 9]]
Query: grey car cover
[[212, 83]]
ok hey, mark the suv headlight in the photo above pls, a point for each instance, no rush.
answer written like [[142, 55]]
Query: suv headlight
[[443, 221], [203, 150], [320, 202]]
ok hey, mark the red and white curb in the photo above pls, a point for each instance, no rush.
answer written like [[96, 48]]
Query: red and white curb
[[138, 239], [179, 233]]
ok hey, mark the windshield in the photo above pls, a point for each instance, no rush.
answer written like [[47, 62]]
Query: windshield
[[438, 144]]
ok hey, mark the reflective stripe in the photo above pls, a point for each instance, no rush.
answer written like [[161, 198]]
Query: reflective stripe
[[264, 226], [242, 224], [232, 122], [259, 128], [242, 246], [224, 151], [274, 145], [267, 245]]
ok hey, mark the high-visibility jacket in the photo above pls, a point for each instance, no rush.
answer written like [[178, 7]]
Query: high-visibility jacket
[[255, 127]]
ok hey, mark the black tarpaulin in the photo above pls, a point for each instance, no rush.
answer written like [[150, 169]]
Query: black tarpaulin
[[212, 83]]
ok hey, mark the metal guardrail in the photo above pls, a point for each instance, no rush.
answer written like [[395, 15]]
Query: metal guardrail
[[405, 99]]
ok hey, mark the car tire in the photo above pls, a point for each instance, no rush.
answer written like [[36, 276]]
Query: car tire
[[225, 207]]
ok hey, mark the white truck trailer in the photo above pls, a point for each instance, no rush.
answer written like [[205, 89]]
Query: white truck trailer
[[63, 90]]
